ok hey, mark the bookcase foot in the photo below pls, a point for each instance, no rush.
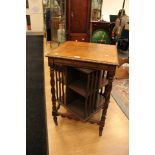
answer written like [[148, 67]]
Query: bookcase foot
[[100, 131], [55, 121]]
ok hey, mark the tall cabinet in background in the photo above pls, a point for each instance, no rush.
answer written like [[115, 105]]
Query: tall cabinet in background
[[73, 19], [78, 20]]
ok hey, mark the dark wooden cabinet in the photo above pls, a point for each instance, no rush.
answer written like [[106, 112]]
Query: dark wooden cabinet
[[100, 25], [107, 26], [78, 20], [103, 25]]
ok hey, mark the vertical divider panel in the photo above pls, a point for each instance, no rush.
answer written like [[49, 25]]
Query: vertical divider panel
[[63, 94], [102, 80], [56, 84], [101, 90], [61, 89], [88, 104], [92, 92], [96, 89], [66, 84], [87, 96], [59, 85]]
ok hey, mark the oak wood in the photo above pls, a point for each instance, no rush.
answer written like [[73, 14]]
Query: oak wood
[[79, 87], [91, 52], [93, 61]]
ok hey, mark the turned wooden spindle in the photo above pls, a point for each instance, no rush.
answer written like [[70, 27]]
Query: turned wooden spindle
[[54, 108], [108, 88]]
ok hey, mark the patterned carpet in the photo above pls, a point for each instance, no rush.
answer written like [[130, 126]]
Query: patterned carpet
[[120, 93]]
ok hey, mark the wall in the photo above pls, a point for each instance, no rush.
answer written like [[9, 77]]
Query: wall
[[111, 7], [35, 11]]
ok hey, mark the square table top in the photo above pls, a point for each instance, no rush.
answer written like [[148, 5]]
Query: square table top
[[84, 51]]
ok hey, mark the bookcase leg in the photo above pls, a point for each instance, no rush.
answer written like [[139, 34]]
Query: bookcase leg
[[55, 118], [54, 108], [108, 88], [103, 117], [100, 131]]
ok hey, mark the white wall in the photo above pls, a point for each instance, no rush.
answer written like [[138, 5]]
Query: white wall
[[35, 11], [111, 7]]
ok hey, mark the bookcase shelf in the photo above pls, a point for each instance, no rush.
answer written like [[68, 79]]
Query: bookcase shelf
[[80, 86], [77, 107], [81, 89]]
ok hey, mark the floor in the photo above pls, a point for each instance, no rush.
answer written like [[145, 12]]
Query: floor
[[77, 138]]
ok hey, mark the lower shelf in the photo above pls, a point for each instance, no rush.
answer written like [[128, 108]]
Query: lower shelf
[[77, 107]]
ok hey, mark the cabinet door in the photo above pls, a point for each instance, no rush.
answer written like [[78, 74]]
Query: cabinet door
[[78, 20]]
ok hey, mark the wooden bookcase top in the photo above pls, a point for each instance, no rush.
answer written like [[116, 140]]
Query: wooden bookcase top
[[83, 51]]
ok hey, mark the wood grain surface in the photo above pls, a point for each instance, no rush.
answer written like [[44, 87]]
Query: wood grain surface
[[99, 53]]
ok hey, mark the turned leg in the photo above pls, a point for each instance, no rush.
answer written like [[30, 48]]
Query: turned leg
[[103, 117], [54, 108], [107, 93]]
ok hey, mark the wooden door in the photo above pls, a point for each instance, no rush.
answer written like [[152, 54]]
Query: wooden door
[[78, 22]]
